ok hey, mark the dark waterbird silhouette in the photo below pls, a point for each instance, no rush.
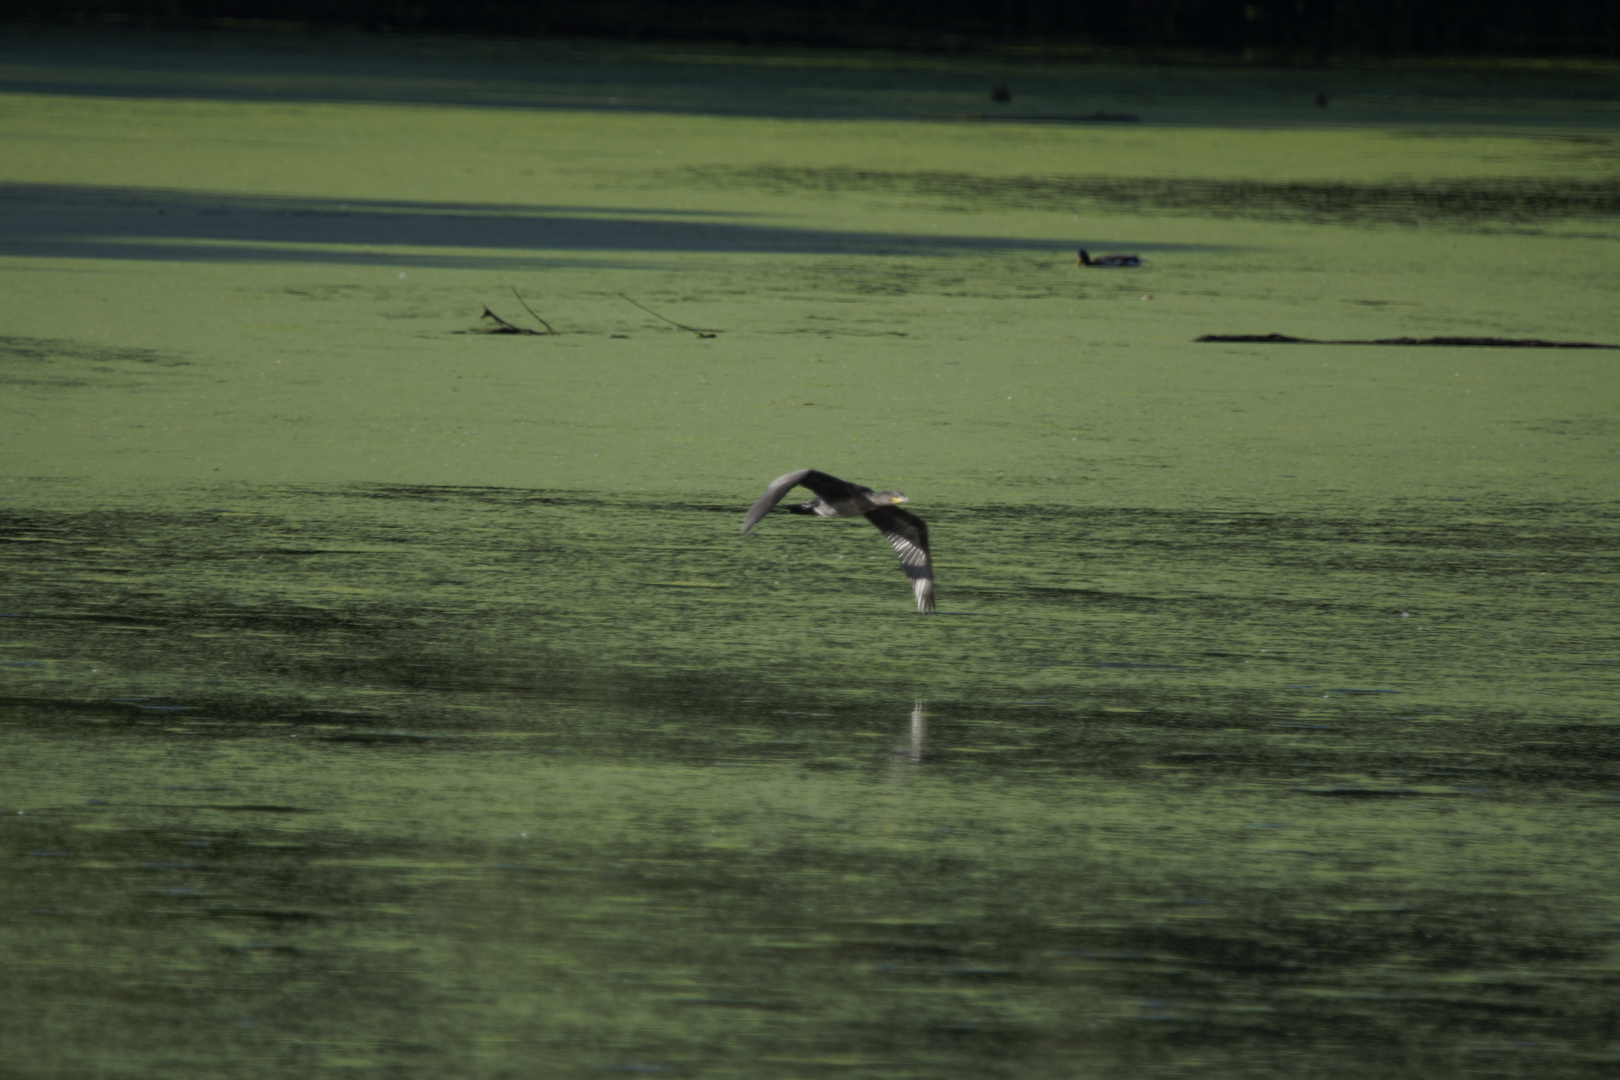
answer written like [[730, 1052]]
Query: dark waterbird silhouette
[[907, 533], [1109, 262]]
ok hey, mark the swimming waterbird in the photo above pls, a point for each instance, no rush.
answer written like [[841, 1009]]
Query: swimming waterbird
[[907, 533], [1110, 262]]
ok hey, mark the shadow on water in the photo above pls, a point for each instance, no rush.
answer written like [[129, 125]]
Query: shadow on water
[[336, 778], [374, 600], [1457, 202], [84, 222]]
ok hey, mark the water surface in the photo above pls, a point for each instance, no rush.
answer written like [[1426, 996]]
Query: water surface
[[386, 698]]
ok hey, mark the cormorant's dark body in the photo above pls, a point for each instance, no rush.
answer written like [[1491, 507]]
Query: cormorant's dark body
[[1109, 262]]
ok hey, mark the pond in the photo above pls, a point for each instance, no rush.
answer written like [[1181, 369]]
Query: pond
[[384, 696]]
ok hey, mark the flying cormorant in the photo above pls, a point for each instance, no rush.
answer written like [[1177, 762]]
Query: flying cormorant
[[839, 498]]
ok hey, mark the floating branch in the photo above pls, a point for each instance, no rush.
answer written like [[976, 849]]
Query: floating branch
[[1469, 342], [501, 326], [672, 322]]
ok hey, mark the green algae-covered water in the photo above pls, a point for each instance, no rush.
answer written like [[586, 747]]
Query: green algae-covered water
[[380, 697]]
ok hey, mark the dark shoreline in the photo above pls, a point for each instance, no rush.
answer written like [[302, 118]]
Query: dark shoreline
[[1200, 31]]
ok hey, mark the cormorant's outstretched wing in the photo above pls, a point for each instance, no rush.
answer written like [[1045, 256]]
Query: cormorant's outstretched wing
[[908, 535], [828, 487]]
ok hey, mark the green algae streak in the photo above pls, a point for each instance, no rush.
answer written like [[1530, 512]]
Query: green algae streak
[[382, 696]]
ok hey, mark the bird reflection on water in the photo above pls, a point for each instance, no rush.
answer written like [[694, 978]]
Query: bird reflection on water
[[908, 749]]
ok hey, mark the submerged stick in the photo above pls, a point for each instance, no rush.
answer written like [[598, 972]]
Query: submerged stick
[[1475, 342], [531, 311], [672, 322]]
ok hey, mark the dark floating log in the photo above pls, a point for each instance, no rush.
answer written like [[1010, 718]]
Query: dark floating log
[[1469, 342]]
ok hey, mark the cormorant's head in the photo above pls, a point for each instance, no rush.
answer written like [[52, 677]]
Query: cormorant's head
[[891, 497]]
